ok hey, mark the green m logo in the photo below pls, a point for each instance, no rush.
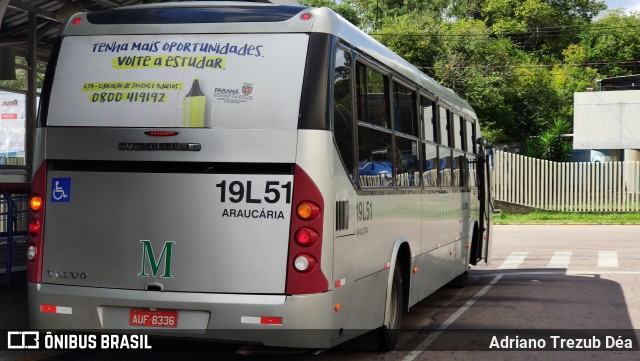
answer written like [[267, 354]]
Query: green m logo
[[147, 254]]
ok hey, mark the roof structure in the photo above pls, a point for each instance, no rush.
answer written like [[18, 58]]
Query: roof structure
[[627, 82], [49, 16]]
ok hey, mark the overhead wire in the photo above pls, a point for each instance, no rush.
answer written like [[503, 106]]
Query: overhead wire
[[624, 63], [546, 33], [529, 32]]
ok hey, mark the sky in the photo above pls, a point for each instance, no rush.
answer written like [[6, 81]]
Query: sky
[[629, 5]]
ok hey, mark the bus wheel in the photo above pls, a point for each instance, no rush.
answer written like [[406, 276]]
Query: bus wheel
[[461, 281], [389, 335]]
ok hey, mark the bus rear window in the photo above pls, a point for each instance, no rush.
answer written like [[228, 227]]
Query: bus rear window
[[231, 81]]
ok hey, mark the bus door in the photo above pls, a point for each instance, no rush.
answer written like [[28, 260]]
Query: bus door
[[484, 166]]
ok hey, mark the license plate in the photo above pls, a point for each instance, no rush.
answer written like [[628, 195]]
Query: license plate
[[153, 318]]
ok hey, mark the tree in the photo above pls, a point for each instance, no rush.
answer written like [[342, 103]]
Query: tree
[[612, 44], [535, 101], [406, 35], [546, 27], [572, 76], [20, 81], [473, 64], [375, 14], [552, 144]]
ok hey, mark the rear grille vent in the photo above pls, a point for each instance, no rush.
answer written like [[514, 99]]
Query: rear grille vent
[[342, 215]]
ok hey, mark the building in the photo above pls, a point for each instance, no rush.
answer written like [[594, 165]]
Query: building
[[607, 122]]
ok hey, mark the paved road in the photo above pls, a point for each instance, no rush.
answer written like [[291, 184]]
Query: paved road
[[565, 281], [581, 279]]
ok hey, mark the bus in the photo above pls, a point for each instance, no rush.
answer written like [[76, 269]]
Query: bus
[[246, 172]]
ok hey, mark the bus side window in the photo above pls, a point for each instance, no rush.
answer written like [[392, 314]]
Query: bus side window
[[465, 143], [470, 140], [471, 148], [342, 110], [445, 138], [444, 151], [374, 136], [407, 166], [457, 133], [430, 165], [374, 151], [459, 169], [404, 107], [458, 154], [372, 96], [429, 125], [406, 148]]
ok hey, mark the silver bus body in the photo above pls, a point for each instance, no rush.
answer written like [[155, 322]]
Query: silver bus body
[[152, 201]]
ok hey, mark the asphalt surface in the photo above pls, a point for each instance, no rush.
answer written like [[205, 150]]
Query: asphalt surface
[[549, 283]]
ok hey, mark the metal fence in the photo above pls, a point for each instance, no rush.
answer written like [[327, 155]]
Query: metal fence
[[13, 234], [566, 186]]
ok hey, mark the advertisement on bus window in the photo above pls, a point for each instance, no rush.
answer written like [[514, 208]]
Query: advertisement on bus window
[[233, 81]]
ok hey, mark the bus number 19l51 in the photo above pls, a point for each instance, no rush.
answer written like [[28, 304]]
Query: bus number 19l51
[[240, 191], [365, 211]]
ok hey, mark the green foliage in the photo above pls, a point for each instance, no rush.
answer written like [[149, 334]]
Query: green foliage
[[534, 24], [376, 14], [613, 39], [548, 217], [405, 35], [20, 81], [446, 54], [569, 78], [552, 144], [465, 9]]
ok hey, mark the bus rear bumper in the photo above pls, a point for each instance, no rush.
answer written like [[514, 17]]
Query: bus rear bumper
[[305, 319]]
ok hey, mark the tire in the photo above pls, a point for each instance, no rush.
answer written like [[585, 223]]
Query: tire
[[461, 281], [389, 335]]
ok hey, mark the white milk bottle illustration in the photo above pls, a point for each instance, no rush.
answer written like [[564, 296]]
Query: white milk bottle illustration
[[194, 105]]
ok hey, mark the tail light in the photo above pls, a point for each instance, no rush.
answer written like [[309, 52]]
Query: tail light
[[304, 274], [36, 224], [35, 203], [304, 263], [34, 227], [306, 237], [307, 210]]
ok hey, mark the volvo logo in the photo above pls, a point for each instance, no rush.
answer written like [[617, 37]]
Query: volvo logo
[[188, 147], [67, 274]]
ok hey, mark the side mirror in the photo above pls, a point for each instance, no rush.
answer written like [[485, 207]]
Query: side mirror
[[482, 142]]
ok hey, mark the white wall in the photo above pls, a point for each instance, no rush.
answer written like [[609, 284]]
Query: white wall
[[607, 120]]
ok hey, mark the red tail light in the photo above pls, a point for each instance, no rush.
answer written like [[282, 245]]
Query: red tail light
[[36, 224], [304, 274], [156, 133], [306, 237], [34, 227]]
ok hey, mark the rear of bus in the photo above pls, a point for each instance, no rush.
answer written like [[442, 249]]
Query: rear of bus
[[175, 190]]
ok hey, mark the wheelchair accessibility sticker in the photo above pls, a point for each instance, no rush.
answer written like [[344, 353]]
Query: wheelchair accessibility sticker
[[61, 190]]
